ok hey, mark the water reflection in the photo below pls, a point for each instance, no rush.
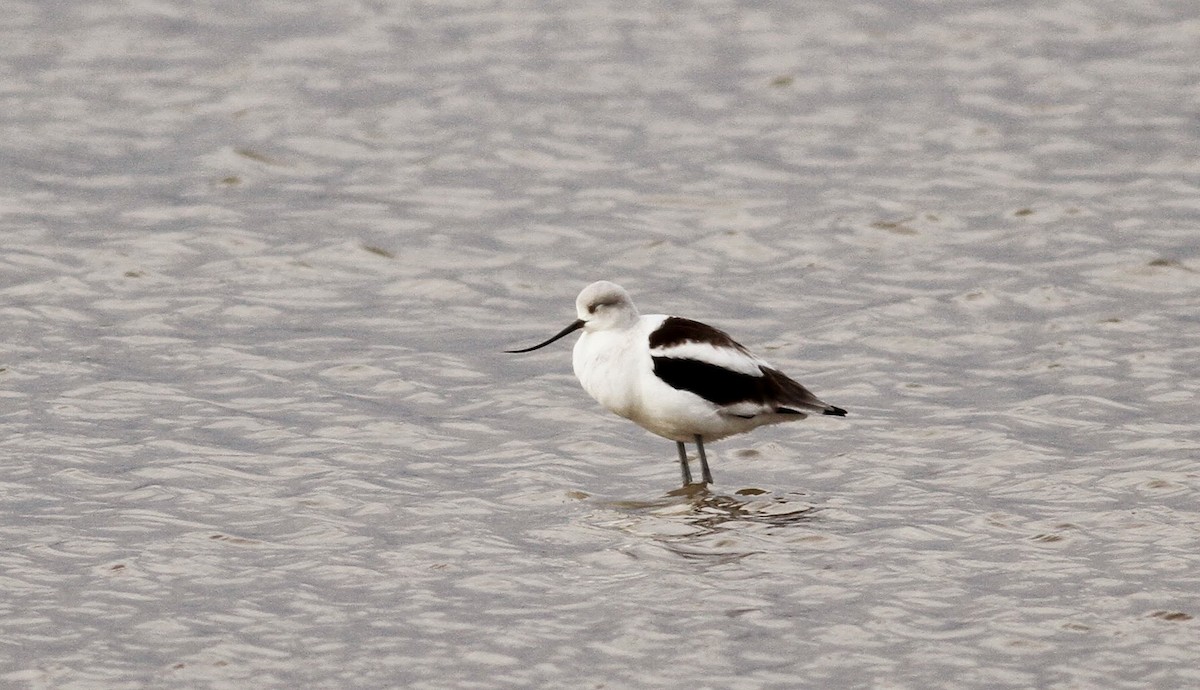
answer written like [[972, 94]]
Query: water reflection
[[697, 505], [698, 524]]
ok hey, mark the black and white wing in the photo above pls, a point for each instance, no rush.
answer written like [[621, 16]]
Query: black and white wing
[[706, 361]]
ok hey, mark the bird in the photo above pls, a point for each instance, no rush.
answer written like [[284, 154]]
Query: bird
[[683, 380]]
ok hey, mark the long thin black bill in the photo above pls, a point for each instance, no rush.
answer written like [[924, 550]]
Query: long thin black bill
[[562, 334]]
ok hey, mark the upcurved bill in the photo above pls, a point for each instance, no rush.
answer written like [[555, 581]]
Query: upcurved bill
[[563, 333]]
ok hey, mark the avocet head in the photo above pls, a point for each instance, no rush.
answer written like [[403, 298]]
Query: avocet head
[[601, 306]]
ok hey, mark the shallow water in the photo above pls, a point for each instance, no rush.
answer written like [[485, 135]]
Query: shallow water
[[260, 260]]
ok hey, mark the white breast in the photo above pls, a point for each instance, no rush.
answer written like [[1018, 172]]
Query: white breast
[[612, 366]]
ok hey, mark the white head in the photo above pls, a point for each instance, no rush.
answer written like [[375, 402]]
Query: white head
[[601, 306]]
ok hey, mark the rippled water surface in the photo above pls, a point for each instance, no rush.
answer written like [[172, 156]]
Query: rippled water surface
[[259, 261]]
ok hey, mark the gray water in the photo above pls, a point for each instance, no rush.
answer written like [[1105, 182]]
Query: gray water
[[259, 261]]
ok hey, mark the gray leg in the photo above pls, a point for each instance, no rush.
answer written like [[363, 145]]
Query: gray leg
[[683, 466], [704, 473]]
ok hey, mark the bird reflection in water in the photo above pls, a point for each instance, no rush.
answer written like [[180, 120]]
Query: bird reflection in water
[[713, 511]]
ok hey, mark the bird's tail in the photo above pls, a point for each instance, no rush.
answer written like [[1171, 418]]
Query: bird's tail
[[796, 397]]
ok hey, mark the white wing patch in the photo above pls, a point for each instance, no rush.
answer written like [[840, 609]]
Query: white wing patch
[[724, 357]]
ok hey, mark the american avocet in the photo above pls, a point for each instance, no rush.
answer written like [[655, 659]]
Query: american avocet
[[678, 378]]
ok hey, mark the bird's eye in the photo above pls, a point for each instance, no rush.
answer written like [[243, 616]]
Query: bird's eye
[[596, 305]]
